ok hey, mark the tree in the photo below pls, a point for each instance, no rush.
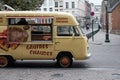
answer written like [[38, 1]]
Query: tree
[[23, 4]]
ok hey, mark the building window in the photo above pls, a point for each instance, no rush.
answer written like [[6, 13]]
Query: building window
[[73, 12], [45, 3], [67, 11], [61, 3], [56, 9], [73, 4], [67, 5], [56, 4], [45, 9], [51, 9], [61, 9], [50, 2], [96, 9]]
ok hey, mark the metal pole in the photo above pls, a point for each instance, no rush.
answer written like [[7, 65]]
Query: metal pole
[[92, 31], [107, 27]]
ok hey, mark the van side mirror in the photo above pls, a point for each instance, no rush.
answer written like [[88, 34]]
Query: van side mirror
[[73, 35]]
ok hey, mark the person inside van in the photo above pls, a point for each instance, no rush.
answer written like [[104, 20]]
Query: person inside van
[[22, 22]]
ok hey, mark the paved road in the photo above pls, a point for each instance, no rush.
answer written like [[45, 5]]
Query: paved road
[[57, 74]]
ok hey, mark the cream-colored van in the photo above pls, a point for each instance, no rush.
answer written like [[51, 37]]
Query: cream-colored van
[[34, 35]]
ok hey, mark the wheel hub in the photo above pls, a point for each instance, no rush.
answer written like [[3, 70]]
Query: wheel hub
[[65, 61]]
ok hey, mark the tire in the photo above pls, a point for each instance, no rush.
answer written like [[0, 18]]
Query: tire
[[3, 61], [11, 61], [64, 61]]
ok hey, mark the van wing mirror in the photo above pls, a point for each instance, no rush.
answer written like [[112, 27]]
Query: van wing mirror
[[73, 35]]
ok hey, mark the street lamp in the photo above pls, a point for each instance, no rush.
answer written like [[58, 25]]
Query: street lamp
[[107, 27]]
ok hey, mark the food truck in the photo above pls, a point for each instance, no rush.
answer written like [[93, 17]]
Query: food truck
[[35, 35]]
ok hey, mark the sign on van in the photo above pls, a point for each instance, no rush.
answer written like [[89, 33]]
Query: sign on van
[[61, 20]]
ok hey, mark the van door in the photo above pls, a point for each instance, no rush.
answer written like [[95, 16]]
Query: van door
[[68, 39], [64, 37]]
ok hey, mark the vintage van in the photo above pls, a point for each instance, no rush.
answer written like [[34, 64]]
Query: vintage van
[[34, 35]]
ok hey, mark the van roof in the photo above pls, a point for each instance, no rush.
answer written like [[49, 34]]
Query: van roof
[[35, 13]]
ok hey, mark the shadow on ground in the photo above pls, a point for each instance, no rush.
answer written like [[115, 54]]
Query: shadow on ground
[[45, 64]]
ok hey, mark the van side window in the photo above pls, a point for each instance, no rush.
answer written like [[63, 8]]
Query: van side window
[[13, 21], [41, 33], [66, 31], [76, 32]]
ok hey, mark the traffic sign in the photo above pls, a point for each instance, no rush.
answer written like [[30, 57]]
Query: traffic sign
[[92, 13]]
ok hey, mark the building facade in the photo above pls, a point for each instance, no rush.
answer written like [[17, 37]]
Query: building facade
[[97, 13], [88, 11], [48, 5], [75, 7], [114, 15], [59, 5]]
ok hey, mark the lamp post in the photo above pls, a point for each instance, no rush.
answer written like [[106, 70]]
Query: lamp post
[[107, 27]]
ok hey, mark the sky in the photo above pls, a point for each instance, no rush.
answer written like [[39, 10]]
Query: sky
[[96, 2]]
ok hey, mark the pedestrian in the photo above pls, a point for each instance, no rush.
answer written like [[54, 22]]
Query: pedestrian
[[99, 26], [22, 22], [87, 26]]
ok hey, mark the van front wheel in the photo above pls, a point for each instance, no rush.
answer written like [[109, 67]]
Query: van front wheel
[[3, 61], [64, 61]]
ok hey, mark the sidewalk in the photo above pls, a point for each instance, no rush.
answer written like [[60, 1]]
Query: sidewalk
[[99, 38]]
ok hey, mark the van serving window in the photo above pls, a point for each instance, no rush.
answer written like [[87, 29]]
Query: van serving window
[[41, 33], [39, 28]]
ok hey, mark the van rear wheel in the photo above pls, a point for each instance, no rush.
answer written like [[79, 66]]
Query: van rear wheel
[[3, 61], [64, 61]]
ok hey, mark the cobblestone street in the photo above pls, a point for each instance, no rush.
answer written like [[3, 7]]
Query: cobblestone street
[[58, 74]]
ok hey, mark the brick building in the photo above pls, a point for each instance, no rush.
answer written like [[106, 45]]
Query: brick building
[[114, 16], [116, 19]]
